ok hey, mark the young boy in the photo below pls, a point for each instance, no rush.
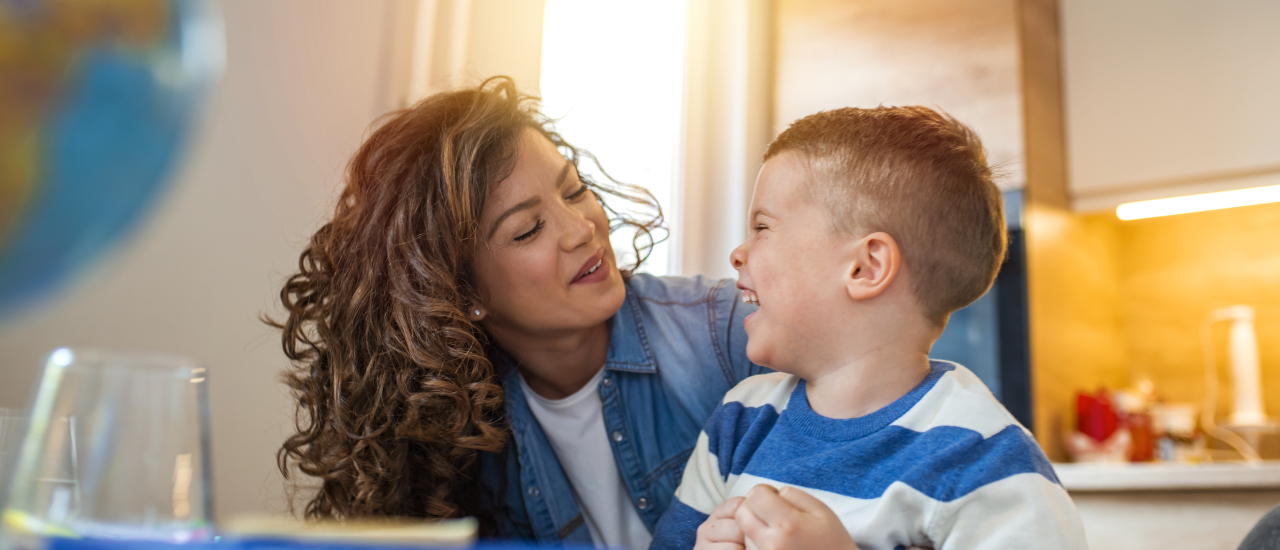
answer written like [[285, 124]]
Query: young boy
[[868, 227]]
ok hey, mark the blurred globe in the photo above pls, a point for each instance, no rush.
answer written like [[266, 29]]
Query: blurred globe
[[97, 102]]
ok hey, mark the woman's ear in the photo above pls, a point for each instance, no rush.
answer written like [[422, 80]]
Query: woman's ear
[[876, 260]]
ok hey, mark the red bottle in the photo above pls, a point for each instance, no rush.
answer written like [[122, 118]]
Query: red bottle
[[1141, 436]]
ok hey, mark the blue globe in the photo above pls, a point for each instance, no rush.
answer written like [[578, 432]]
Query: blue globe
[[97, 104]]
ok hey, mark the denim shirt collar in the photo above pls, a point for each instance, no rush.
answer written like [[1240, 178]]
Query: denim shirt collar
[[551, 506], [628, 343], [653, 417]]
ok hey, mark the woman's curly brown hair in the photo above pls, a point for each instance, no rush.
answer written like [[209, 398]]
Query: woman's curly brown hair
[[396, 391]]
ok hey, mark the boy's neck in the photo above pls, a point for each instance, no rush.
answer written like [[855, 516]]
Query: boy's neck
[[866, 383], [881, 354]]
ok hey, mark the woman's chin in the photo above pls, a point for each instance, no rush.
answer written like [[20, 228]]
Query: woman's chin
[[614, 293], [598, 301]]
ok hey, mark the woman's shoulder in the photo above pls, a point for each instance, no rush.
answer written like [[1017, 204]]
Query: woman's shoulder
[[690, 320]]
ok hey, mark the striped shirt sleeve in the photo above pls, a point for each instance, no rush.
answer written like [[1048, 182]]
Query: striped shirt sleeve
[[711, 468], [701, 490], [1021, 511]]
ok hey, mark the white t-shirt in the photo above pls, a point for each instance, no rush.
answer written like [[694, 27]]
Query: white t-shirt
[[575, 427]]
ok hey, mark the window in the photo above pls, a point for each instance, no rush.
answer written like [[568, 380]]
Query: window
[[613, 78]]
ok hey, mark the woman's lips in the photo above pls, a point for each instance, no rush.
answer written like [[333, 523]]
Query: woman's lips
[[594, 271]]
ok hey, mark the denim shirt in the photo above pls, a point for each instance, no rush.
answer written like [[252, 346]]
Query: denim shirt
[[676, 347]]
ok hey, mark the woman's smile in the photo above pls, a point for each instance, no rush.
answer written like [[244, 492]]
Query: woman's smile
[[525, 281], [591, 271]]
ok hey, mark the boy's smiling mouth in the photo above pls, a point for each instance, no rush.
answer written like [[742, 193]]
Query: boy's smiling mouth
[[749, 297]]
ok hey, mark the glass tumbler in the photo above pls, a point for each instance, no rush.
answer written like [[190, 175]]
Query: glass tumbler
[[12, 425], [117, 447]]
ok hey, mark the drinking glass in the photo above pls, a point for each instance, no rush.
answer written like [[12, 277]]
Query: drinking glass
[[12, 425], [117, 447]]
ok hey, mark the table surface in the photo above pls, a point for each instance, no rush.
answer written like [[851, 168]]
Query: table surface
[[271, 544], [1169, 476]]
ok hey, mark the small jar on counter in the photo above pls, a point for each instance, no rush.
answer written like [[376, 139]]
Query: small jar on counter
[[1176, 438]]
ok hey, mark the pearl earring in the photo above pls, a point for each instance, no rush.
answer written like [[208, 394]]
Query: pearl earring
[[476, 312]]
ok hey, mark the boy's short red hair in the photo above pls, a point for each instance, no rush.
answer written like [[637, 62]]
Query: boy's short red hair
[[918, 175]]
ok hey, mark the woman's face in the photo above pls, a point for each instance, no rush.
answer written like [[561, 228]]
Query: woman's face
[[545, 264]]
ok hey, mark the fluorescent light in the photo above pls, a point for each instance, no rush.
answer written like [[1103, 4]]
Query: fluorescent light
[[1198, 203]]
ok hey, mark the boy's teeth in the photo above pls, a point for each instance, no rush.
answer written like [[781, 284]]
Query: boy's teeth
[[749, 297]]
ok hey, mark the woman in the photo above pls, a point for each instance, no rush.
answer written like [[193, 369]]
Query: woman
[[465, 344]]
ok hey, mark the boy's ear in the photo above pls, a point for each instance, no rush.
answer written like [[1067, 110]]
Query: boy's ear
[[876, 261]]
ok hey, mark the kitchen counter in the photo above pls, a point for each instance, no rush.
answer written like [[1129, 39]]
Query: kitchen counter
[[1160, 505], [1169, 476]]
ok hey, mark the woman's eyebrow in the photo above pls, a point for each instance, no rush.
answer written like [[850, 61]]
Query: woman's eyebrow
[[529, 203], [564, 173]]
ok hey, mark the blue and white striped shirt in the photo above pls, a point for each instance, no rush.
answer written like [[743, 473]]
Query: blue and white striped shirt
[[945, 467]]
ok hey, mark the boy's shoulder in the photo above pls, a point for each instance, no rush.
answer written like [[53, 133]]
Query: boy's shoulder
[[958, 398], [772, 389], [959, 427], [747, 414]]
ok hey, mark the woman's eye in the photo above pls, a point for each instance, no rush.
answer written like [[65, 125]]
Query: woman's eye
[[530, 233], [577, 194], [760, 227]]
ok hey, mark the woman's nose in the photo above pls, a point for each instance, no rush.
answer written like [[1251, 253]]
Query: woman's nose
[[739, 256], [580, 230]]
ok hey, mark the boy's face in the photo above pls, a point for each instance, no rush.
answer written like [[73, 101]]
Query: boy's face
[[790, 265]]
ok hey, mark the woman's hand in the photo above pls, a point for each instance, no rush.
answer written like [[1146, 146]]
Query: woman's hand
[[720, 531], [788, 519]]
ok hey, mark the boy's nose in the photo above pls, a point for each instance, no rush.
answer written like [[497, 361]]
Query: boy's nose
[[738, 257]]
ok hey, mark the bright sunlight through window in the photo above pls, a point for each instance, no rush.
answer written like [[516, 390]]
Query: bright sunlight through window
[[613, 77]]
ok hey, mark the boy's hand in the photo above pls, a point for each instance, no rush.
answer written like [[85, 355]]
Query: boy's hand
[[720, 531], [790, 519]]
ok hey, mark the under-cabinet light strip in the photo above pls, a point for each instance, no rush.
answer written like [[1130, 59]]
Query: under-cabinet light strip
[[1198, 203]]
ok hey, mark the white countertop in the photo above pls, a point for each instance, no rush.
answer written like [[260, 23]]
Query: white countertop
[[1168, 476]]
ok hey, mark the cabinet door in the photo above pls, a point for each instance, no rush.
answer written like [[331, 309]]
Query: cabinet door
[[1170, 97]]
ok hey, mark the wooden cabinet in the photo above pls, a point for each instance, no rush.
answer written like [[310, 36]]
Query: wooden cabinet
[[960, 56], [1167, 98]]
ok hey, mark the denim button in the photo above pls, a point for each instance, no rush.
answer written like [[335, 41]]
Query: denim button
[[608, 382], [643, 503], [617, 436], [534, 492]]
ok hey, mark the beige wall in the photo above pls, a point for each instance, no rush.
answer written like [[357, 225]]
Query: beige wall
[[303, 82]]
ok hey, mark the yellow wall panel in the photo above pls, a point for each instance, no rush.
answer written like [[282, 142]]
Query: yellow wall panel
[[1175, 270]]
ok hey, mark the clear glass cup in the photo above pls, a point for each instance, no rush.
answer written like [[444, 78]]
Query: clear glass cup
[[117, 447], [12, 425]]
